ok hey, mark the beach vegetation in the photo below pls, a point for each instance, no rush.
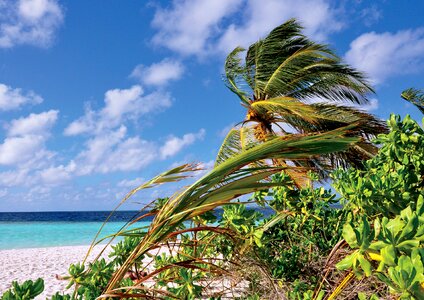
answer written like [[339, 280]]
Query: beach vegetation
[[261, 224], [25, 291]]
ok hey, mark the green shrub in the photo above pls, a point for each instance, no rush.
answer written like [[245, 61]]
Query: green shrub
[[25, 291], [393, 179]]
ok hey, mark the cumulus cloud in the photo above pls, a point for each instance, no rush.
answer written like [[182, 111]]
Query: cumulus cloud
[[109, 147], [158, 74], [317, 16], [199, 27], [116, 151], [32, 22], [174, 144], [14, 98], [120, 105], [131, 154], [188, 25], [58, 174], [18, 149], [384, 55], [34, 124], [26, 138]]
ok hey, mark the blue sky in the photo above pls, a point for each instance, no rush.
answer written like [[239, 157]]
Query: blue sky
[[96, 96]]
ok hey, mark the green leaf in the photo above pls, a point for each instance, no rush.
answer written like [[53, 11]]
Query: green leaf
[[365, 265], [347, 262], [350, 236], [389, 255]]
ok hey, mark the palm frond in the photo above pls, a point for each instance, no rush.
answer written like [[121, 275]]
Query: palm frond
[[234, 71], [214, 188], [286, 63], [285, 106], [236, 141], [415, 97]]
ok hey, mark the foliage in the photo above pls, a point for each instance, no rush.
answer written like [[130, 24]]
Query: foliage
[[90, 283], [392, 250], [305, 227], [376, 234], [224, 183], [59, 296], [276, 81], [122, 250], [25, 291], [387, 199], [414, 96], [393, 179]]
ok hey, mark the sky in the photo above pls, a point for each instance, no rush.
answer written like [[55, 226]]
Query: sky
[[98, 96]]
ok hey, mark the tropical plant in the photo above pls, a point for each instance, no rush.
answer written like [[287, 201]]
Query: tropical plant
[[231, 179], [279, 83], [308, 227], [25, 291], [388, 193], [393, 179], [414, 96], [392, 251]]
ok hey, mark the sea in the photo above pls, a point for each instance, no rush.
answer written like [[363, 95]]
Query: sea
[[71, 228], [50, 229]]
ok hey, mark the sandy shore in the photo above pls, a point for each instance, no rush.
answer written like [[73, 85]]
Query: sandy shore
[[24, 264], [33, 263]]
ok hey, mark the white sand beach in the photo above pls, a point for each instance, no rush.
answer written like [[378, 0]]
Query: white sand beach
[[33, 263], [24, 264]]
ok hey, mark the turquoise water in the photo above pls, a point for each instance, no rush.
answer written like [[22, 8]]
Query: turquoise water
[[15, 235]]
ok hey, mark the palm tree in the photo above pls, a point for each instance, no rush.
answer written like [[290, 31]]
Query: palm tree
[[291, 85], [229, 180], [415, 97]]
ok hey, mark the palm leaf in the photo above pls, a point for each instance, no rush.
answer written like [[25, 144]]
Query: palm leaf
[[236, 141], [283, 106], [214, 189], [415, 97], [286, 63], [234, 72]]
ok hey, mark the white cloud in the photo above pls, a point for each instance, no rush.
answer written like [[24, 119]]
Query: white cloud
[[19, 149], [174, 144], [371, 15], [110, 148], [130, 155], [317, 16], [370, 106], [59, 174], [126, 183], [198, 27], [384, 55], [32, 22], [25, 144], [13, 98], [160, 73], [189, 25], [34, 124], [120, 105], [113, 151], [12, 178]]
